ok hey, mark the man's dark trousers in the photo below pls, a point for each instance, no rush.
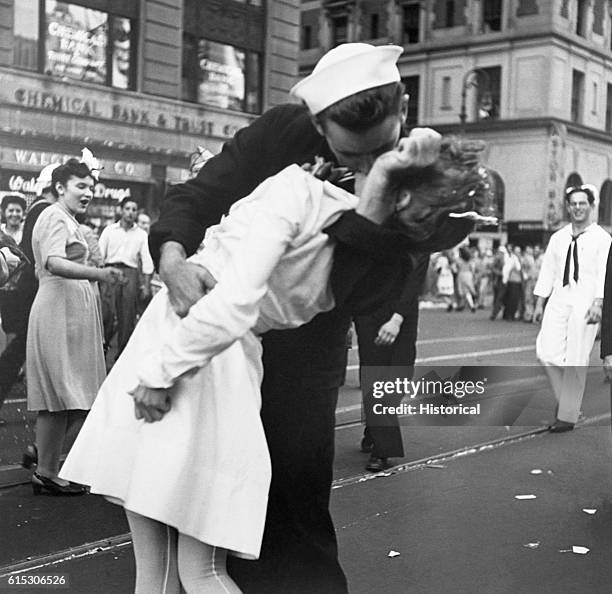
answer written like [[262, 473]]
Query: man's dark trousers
[[120, 301], [298, 414]]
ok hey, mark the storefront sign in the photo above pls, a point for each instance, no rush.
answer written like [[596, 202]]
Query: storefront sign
[[101, 105], [39, 159]]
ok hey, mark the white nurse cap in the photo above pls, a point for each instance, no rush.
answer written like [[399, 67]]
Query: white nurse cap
[[345, 70]]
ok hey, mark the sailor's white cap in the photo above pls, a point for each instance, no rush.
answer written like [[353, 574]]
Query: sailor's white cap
[[43, 181], [345, 70]]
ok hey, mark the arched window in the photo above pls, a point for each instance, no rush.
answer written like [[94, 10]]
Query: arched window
[[605, 204]]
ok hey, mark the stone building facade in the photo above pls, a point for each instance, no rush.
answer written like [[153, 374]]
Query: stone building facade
[[533, 78], [140, 83]]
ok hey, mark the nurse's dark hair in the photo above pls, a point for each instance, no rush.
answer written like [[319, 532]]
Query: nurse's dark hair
[[71, 168], [366, 109]]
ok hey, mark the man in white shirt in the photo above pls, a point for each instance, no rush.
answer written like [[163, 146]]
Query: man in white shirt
[[124, 245], [572, 277]]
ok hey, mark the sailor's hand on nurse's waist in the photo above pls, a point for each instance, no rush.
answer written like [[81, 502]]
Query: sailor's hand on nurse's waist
[[150, 404], [186, 282]]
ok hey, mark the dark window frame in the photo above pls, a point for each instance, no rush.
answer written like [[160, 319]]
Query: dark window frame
[[493, 77], [411, 23], [306, 37], [608, 124], [337, 39], [193, 78], [374, 25], [492, 14], [577, 96], [449, 14], [112, 9], [413, 87]]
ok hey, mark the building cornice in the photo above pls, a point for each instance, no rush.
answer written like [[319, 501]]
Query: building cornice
[[511, 125]]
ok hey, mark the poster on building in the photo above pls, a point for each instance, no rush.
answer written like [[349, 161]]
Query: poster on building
[[120, 55], [76, 39], [222, 81]]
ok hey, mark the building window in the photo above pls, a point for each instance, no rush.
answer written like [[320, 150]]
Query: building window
[[221, 75], [374, 26], [605, 204], [609, 108], [412, 89], [410, 24], [446, 92], [450, 13], [577, 95], [339, 30], [25, 35], [491, 15], [581, 16], [489, 93], [595, 97], [77, 42], [307, 37]]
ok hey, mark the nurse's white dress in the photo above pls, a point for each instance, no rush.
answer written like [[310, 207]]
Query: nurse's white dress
[[204, 468]]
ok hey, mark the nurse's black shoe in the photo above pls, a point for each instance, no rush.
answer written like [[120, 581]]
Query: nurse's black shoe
[[43, 485]]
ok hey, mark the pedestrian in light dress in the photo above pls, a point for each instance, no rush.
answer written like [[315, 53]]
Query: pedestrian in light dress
[[65, 360], [466, 292], [445, 283]]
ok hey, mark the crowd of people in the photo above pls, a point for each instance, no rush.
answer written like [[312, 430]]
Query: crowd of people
[[214, 428], [502, 279]]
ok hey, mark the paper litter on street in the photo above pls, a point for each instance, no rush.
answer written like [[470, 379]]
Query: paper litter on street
[[530, 496], [532, 545], [589, 511], [393, 554], [578, 550], [536, 471]]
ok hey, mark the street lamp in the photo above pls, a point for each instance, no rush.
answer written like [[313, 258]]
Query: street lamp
[[479, 79]]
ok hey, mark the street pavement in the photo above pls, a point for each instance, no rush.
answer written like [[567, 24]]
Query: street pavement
[[444, 519]]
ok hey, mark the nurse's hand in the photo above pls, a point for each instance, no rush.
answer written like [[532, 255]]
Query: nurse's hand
[[186, 282], [150, 404]]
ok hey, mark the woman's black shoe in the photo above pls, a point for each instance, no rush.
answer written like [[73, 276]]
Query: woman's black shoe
[[30, 457], [42, 484]]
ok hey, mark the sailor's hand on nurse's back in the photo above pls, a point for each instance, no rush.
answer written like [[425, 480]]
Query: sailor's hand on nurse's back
[[186, 282]]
